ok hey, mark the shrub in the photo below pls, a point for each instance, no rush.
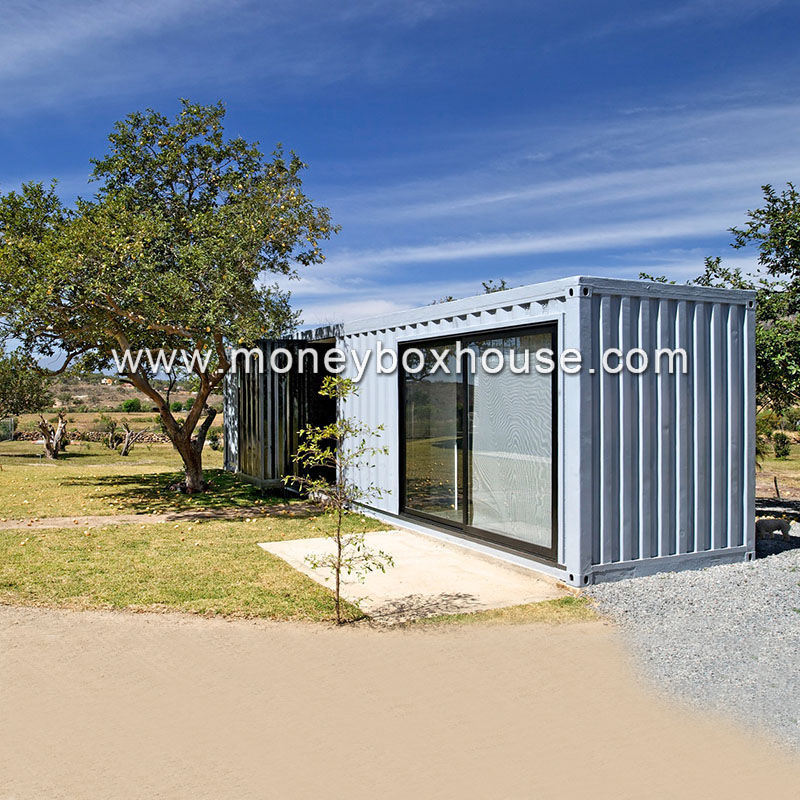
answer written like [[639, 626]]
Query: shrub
[[132, 405], [108, 426], [766, 422], [189, 403], [791, 418], [782, 445], [176, 406]]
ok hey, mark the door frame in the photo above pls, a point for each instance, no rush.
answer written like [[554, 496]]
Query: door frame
[[549, 554]]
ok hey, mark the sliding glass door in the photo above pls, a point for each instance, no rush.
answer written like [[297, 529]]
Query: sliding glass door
[[478, 443], [434, 438]]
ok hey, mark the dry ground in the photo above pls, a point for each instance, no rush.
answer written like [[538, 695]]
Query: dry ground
[[107, 705]]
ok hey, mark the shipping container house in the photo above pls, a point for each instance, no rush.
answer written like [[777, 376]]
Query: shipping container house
[[593, 471]]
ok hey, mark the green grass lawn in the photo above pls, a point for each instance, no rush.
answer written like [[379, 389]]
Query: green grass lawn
[[552, 612], [91, 479], [203, 567], [208, 567]]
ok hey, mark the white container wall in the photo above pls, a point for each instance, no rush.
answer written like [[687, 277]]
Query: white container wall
[[652, 471], [588, 476]]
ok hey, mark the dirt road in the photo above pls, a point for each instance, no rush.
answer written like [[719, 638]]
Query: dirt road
[[112, 705]]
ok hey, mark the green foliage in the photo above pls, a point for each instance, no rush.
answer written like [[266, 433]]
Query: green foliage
[[108, 425], [646, 276], [132, 405], [175, 250], [777, 333], [340, 448], [23, 386], [775, 230], [766, 422], [176, 406], [791, 418], [489, 287], [170, 250], [189, 403], [782, 445]]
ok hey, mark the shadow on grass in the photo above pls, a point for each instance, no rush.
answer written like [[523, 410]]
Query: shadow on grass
[[65, 455], [151, 493]]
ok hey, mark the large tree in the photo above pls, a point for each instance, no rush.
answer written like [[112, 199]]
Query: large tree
[[24, 388], [178, 249]]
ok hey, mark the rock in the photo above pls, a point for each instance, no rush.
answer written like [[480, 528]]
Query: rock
[[768, 526]]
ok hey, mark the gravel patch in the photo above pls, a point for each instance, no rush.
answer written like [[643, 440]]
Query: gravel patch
[[726, 637]]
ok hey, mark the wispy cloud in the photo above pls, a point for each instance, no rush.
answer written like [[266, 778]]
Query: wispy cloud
[[634, 185], [54, 54], [660, 198], [688, 155], [629, 234], [644, 18], [327, 300], [36, 35]]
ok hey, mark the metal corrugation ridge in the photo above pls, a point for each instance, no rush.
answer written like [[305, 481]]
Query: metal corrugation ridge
[[469, 305]]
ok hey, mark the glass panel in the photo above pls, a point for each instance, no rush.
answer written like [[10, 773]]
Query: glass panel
[[433, 433], [511, 424]]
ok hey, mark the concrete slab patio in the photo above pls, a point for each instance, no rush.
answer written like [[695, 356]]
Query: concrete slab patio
[[429, 577]]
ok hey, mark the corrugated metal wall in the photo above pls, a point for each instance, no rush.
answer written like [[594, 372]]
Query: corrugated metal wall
[[251, 424], [265, 410], [672, 460], [651, 466]]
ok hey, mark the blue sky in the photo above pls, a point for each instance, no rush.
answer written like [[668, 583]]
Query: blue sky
[[454, 141]]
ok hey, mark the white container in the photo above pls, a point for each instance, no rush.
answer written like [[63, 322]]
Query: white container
[[650, 472]]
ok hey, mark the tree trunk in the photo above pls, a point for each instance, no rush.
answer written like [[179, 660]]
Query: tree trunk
[[111, 440], [338, 594], [127, 443], [129, 439], [193, 471], [190, 449], [54, 438]]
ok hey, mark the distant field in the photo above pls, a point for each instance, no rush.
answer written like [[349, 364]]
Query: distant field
[[90, 420], [105, 396], [788, 473]]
